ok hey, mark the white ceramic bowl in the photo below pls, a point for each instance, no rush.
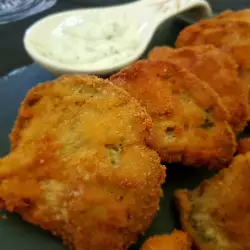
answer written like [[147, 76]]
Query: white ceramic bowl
[[146, 15]]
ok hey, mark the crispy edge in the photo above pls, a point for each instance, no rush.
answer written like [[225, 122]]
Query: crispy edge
[[243, 146], [238, 116], [194, 34], [133, 72], [184, 205], [160, 53], [37, 92], [179, 240], [243, 15]]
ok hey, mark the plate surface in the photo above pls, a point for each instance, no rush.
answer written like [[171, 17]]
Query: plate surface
[[15, 234]]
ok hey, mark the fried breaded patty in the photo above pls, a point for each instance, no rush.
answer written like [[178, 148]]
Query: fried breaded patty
[[217, 69], [80, 167], [178, 240], [217, 213], [232, 35], [190, 124]]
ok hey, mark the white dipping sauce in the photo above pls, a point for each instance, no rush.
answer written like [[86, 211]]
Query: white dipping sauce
[[93, 41]]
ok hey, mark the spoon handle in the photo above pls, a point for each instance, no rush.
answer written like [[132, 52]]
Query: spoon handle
[[160, 10]]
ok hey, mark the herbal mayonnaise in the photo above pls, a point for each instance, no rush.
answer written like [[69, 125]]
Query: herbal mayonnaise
[[93, 41]]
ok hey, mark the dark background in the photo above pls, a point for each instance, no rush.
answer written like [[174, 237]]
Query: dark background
[[12, 54]]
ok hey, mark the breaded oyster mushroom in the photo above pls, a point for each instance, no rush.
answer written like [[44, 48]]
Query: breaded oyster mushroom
[[229, 32], [80, 167], [190, 124], [218, 70], [217, 213]]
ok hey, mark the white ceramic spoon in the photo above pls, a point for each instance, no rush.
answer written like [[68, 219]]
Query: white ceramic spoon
[[145, 15]]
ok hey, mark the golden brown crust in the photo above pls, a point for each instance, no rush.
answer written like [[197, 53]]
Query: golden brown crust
[[216, 214], [88, 87], [190, 124], [80, 167], [232, 36], [217, 69], [243, 15], [177, 240], [220, 33], [243, 146], [161, 53], [229, 32], [183, 204]]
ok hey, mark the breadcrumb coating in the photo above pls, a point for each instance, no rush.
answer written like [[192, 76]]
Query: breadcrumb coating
[[80, 167]]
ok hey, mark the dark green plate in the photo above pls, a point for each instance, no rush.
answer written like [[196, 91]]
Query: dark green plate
[[15, 234]]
